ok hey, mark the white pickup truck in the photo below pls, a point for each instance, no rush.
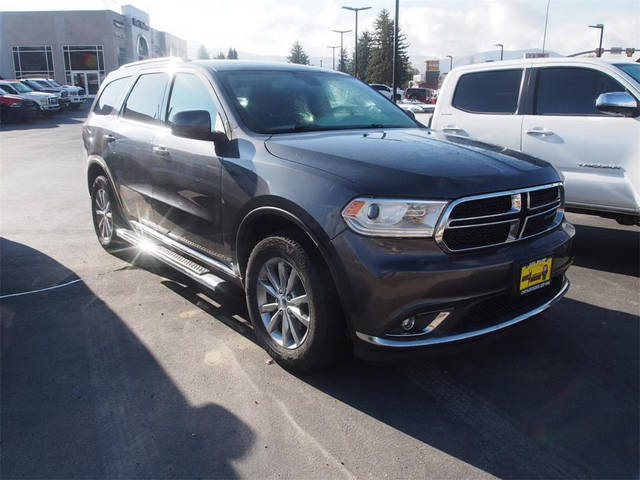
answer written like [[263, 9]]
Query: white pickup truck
[[580, 114]]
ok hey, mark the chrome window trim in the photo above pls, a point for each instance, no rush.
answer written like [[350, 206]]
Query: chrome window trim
[[443, 223]]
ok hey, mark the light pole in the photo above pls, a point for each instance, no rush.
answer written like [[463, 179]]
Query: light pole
[[601, 27], [450, 62], [333, 47], [546, 20], [395, 52], [501, 50], [341, 32], [355, 52]]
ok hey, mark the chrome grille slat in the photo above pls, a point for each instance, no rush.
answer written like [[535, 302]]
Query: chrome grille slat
[[524, 212]]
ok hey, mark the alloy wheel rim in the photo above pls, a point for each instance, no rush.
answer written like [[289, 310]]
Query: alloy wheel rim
[[283, 304], [104, 215]]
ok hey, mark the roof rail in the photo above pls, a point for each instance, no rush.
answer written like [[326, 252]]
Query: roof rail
[[155, 60]]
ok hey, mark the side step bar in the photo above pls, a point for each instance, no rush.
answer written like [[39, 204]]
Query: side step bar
[[182, 264]]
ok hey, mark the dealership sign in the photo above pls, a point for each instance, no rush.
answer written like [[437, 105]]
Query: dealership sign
[[139, 23]]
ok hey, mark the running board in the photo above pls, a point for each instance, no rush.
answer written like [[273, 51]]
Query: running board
[[182, 264]]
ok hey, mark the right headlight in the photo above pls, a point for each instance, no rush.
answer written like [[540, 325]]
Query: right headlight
[[378, 217]]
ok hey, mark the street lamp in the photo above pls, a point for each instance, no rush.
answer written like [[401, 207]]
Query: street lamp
[[341, 32], [355, 54], [333, 47], [394, 86], [601, 27], [450, 62], [501, 49]]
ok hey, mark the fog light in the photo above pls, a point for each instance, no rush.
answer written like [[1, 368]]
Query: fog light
[[408, 323]]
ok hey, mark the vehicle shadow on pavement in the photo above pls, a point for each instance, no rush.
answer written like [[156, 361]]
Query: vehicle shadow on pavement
[[554, 398], [534, 402], [608, 249], [83, 397]]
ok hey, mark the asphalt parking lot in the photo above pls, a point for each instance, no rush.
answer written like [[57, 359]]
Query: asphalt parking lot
[[130, 372]]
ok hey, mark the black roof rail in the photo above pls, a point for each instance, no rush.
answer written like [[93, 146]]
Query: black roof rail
[[155, 60]]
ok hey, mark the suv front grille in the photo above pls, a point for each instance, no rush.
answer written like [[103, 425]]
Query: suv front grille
[[498, 218]]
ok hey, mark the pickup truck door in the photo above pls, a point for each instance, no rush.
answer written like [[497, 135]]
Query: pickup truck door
[[483, 105], [598, 154]]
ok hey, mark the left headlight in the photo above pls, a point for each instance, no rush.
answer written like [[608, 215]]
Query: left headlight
[[377, 217]]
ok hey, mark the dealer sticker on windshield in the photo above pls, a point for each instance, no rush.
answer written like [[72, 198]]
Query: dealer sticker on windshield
[[535, 275]]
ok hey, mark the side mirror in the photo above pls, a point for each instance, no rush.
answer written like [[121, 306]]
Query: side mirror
[[194, 124], [618, 103], [410, 114]]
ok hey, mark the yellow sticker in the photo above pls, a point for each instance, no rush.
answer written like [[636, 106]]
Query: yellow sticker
[[535, 275]]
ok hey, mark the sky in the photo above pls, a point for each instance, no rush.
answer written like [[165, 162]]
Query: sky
[[434, 28]]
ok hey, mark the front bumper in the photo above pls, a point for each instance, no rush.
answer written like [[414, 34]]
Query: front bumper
[[77, 100], [49, 107], [452, 297]]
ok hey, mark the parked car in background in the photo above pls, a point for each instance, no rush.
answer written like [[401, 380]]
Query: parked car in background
[[12, 106], [75, 95], [387, 91], [43, 86], [421, 94], [340, 217], [422, 112], [580, 114], [47, 102]]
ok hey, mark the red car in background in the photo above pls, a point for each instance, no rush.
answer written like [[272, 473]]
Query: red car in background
[[14, 106]]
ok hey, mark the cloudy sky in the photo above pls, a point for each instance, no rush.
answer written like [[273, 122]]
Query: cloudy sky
[[434, 28]]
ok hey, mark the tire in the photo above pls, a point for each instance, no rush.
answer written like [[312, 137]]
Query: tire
[[310, 295], [105, 214]]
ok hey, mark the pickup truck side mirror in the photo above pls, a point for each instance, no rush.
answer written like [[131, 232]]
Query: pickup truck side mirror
[[618, 103]]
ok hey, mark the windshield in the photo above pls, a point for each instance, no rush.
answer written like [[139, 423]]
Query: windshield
[[53, 83], [285, 101], [21, 87], [42, 83], [631, 69], [33, 85]]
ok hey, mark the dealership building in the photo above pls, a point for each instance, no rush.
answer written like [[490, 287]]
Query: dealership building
[[79, 47]]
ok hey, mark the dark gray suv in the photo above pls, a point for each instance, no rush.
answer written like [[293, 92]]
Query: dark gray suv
[[344, 220]]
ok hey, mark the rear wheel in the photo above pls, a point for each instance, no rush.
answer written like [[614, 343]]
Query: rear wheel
[[105, 214], [292, 305]]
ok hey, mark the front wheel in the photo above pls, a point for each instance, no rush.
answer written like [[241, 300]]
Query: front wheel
[[292, 305]]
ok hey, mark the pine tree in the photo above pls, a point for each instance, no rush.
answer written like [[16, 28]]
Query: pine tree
[[343, 61], [381, 64], [364, 55], [202, 53], [232, 54], [297, 55], [220, 56]]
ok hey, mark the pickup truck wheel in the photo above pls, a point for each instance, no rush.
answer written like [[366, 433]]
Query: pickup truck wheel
[[292, 306], [105, 214]]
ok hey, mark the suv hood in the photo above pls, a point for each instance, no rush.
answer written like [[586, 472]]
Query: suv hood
[[418, 162]]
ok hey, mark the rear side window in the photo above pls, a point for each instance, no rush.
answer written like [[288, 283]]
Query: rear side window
[[488, 92], [108, 100], [572, 91], [146, 97]]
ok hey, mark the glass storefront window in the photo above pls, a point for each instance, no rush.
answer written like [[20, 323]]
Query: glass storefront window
[[32, 61], [84, 66]]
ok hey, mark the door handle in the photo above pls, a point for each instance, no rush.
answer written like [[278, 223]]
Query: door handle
[[109, 138], [539, 131], [162, 151], [451, 128]]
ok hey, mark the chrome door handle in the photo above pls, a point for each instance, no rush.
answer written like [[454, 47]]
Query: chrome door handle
[[451, 128], [539, 131], [109, 138], [162, 151]]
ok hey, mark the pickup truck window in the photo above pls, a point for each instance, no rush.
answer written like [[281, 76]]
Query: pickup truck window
[[144, 100], [110, 95], [488, 92], [571, 90]]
